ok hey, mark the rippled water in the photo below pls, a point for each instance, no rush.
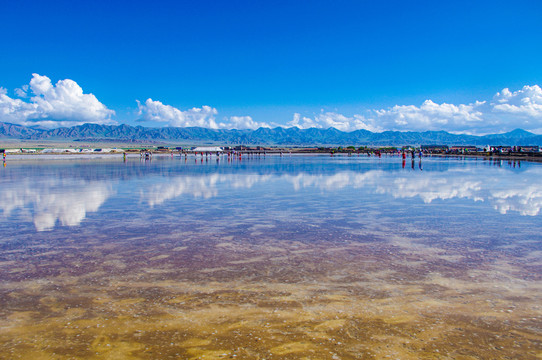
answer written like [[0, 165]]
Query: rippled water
[[270, 257]]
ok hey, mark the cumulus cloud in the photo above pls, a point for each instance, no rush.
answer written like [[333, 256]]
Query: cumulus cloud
[[325, 120], [526, 102], [244, 122], [153, 110], [432, 116], [428, 116], [15, 110], [205, 116], [65, 104], [506, 111], [52, 105], [22, 92]]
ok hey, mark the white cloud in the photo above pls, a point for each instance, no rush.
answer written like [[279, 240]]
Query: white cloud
[[431, 116], [505, 112], [153, 110], [526, 102], [156, 111], [15, 110], [325, 120], [303, 122], [61, 104], [64, 104], [22, 92], [244, 122]]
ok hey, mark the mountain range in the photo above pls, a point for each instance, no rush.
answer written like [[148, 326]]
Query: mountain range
[[262, 136]]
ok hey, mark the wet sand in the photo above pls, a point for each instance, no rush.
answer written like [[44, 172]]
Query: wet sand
[[267, 294]]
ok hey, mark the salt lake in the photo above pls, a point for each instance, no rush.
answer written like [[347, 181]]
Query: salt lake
[[275, 257]]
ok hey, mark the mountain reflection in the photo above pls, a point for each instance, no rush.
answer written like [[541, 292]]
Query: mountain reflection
[[50, 200]]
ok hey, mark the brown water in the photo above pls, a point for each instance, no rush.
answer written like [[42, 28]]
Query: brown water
[[275, 258]]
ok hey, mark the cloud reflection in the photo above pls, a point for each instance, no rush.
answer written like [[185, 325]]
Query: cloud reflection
[[497, 187], [525, 200], [67, 201], [205, 186], [430, 188], [501, 188], [50, 200]]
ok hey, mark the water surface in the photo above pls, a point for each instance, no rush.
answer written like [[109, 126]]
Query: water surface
[[270, 257]]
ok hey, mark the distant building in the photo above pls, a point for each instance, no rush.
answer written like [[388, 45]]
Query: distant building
[[503, 149], [463, 149], [529, 149], [434, 148], [207, 149]]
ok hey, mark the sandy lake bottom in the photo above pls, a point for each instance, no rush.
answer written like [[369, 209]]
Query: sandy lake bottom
[[305, 258]]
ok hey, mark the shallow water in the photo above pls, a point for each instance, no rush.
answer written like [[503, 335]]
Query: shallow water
[[270, 258]]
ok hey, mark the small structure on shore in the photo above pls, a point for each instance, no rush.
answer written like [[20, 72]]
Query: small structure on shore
[[207, 149]]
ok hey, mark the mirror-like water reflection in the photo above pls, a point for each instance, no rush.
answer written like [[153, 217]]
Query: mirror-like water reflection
[[270, 257]]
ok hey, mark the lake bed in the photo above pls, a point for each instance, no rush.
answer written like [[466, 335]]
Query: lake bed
[[270, 257]]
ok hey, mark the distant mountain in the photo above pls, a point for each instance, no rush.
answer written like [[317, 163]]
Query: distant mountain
[[514, 134], [262, 136]]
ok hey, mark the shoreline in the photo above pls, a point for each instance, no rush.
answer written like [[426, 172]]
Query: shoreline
[[297, 152], [515, 157]]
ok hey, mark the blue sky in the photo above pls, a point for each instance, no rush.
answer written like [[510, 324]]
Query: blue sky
[[379, 65]]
